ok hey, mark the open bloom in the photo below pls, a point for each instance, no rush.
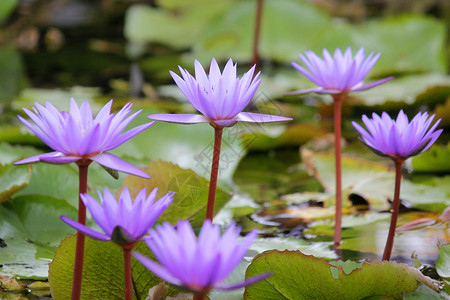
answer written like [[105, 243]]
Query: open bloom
[[124, 221], [199, 264], [339, 74], [398, 139], [220, 97], [76, 135]]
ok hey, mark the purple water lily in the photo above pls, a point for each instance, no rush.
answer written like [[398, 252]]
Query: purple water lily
[[341, 73], [220, 97], [75, 135], [198, 264], [124, 221], [398, 139], [338, 76]]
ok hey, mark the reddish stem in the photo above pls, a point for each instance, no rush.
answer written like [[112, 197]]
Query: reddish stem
[[337, 154], [200, 296], [79, 251], [255, 55], [214, 172], [127, 270], [395, 210]]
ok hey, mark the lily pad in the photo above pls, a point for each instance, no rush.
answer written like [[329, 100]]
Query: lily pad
[[401, 53], [372, 181], [143, 23], [261, 245], [191, 191], [405, 90], [423, 293], [10, 154], [315, 278], [103, 263], [293, 135], [12, 179], [30, 230], [375, 183], [436, 159], [60, 98], [232, 32], [443, 263], [364, 236], [432, 197]]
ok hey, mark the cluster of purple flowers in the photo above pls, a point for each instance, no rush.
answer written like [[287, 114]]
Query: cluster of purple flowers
[[201, 263]]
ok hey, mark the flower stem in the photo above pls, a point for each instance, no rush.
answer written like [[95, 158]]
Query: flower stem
[[79, 251], [127, 270], [199, 296], [257, 33], [214, 172], [395, 210], [337, 155]]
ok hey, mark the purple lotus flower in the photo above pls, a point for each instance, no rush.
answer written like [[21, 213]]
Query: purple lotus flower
[[220, 97], [339, 74], [124, 221], [76, 135], [398, 139], [199, 264]]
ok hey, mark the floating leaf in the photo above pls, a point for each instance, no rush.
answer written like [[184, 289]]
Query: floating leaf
[[436, 159], [372, 181], [405, 90], [10, 154], [434, 196], [293, 135], [30, 229], [232, 32], [103, 273], [423, 292], [143, 22], [191, 191], [443, 262], [58, 97], [391, 36], [261, 245], [315, 278], [12, 179]]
